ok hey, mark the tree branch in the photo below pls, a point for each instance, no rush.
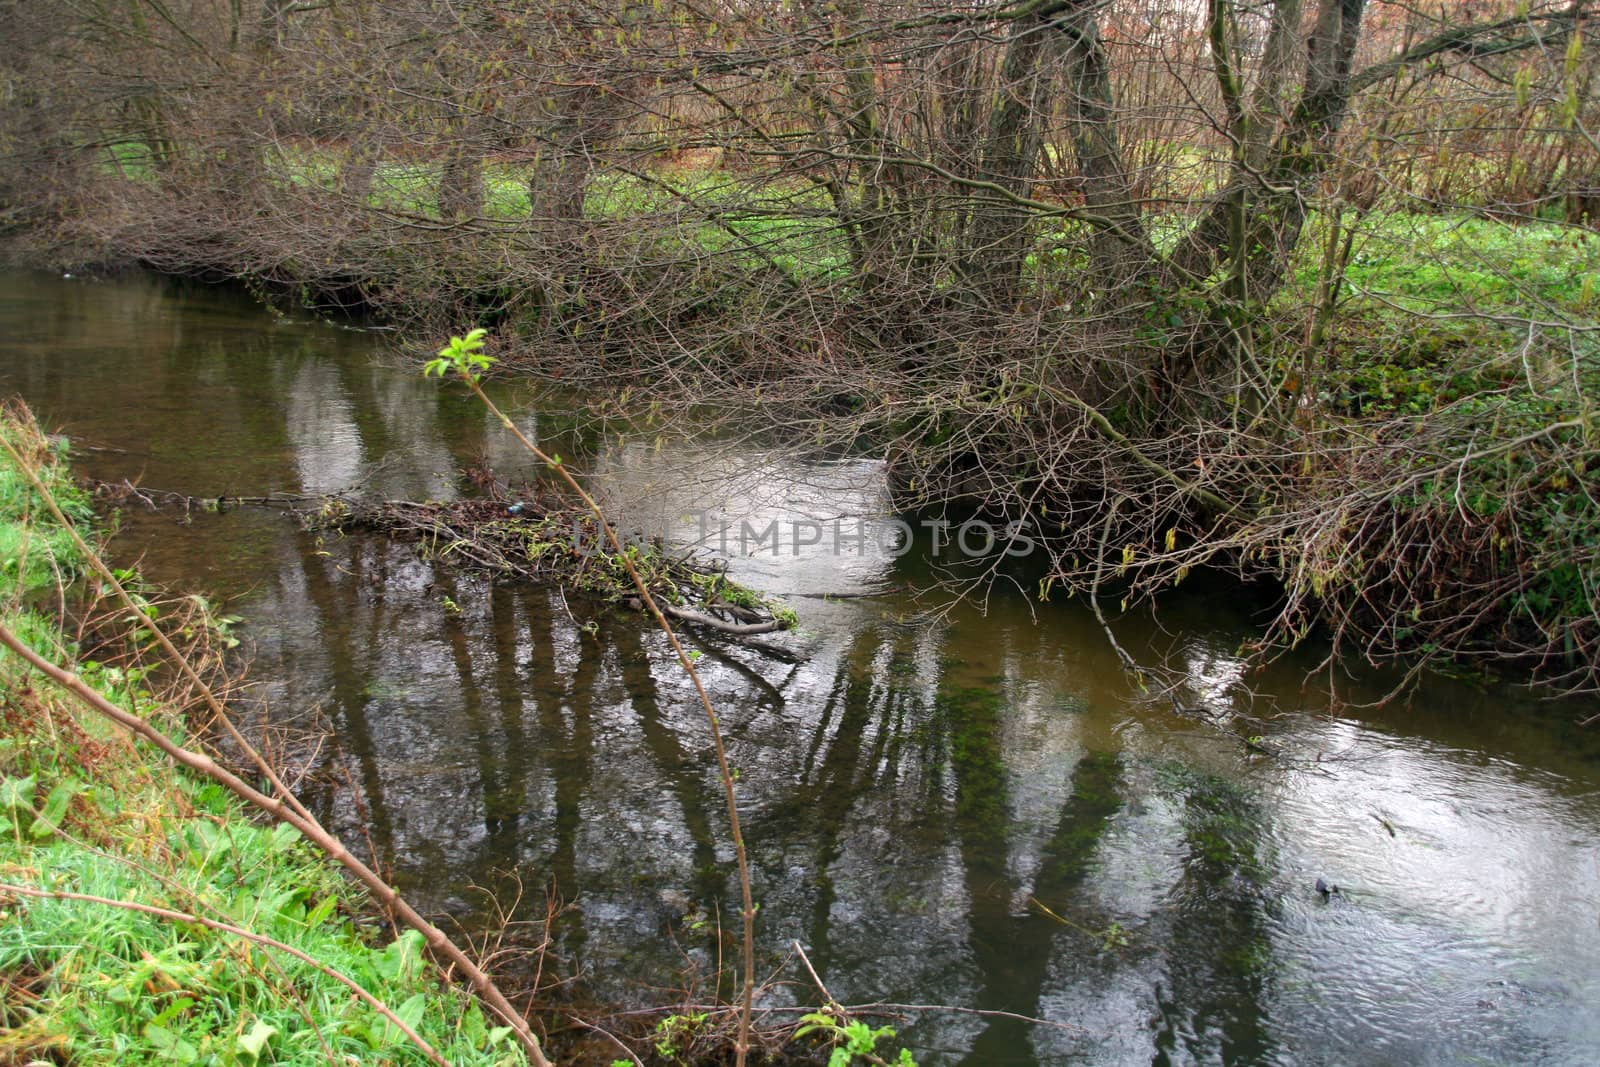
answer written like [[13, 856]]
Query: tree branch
[[204, 765], [1474, 41]]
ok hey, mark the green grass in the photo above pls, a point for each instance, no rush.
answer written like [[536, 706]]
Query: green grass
[[131, 159], [1404, 263], [1451, 263], [35, 558], [85, 811]]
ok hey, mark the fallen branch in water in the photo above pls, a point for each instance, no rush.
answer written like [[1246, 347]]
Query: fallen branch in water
[[748, 629], [529, 538], [156, 499], [541, 542]]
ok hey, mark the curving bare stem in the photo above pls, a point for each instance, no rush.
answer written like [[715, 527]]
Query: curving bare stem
[[281, 803], [747, 990], [200, 763]]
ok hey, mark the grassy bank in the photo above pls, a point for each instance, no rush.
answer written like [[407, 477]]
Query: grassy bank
[[144, 916]]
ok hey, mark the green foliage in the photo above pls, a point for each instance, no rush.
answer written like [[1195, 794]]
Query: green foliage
[[35, 557], [718, 587], [463, 356], [852, 1039], [673, 1034], [1446, 262], [1416, 370], [131, 988]]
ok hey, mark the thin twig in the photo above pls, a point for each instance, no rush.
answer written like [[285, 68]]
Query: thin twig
[[741, 1046], [804, 959]]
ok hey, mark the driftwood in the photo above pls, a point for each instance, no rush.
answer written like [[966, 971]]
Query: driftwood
[[749, 629], [125, 492], [526, 537]]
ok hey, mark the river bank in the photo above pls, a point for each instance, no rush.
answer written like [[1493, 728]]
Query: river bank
[[145, 915], [1417, 487]]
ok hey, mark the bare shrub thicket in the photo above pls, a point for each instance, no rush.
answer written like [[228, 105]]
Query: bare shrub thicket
[[1098, 263]]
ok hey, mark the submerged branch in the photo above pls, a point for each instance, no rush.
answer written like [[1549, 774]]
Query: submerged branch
[[532, 540]]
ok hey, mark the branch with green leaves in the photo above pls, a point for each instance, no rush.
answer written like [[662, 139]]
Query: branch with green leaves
[[464, 357]]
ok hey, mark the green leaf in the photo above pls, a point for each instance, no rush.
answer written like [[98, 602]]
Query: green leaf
[[409, 1013], [55, 809], [254, 1043], [173, 1010], [401, 957], [472, 1028], [463, 355], [818, 1020], [859, 1036], [284, 837], [16, 794], [170, 1045], [319, 914]]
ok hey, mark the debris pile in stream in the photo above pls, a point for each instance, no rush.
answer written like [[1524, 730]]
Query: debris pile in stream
[[530, 536]]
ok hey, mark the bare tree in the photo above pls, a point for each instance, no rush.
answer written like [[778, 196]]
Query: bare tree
[[1083, 261]]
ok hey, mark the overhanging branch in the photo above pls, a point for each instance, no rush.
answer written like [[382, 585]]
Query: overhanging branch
[[1477, 41]]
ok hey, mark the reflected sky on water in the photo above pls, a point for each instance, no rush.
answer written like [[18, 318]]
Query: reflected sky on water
[[959, 805]]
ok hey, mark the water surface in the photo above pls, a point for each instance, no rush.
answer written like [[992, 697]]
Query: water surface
[[963, 807]]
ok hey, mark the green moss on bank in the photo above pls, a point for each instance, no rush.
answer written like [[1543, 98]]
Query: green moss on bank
[[85, 810]]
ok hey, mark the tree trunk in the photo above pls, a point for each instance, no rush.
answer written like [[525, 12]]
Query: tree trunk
[[1120, 248], [1000, 230], [461, 183], [1272, 197]]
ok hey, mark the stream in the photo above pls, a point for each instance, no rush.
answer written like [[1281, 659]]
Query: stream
[[955, 804]]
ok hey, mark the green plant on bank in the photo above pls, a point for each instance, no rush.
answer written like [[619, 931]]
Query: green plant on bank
[[853, 1040], [674, 1032], [144, 918], [37, 559]]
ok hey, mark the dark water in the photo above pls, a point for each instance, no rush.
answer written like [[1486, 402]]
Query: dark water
[[917, 793]]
